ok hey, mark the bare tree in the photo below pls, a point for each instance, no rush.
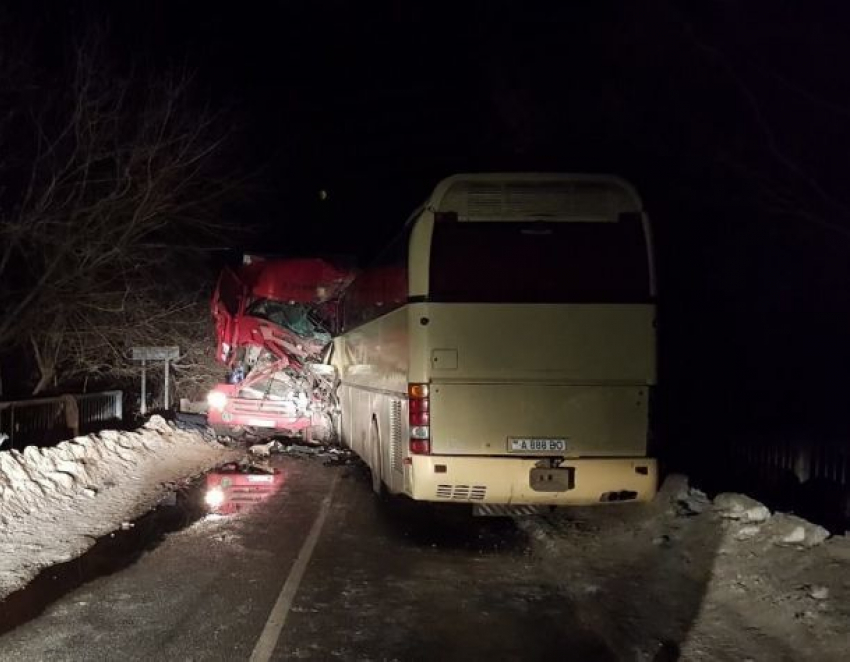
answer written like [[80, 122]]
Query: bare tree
[[119, 191], [177, 312]]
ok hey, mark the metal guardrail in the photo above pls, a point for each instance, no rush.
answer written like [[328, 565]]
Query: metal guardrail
[[806, 460], [46, 421], [98, 409]]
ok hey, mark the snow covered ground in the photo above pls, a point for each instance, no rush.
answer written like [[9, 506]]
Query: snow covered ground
[[55, 502], [700, 579]]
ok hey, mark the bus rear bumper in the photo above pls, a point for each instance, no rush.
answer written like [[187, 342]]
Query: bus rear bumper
[[509, 480]]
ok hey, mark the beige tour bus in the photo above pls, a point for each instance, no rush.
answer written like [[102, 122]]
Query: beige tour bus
[[501, 351]]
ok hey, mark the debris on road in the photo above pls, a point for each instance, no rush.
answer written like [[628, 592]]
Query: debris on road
[[264, 450], [330, 454], [337, 455]]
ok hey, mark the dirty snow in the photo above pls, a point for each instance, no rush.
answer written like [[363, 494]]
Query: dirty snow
[[692, 578], [740, 507], [55, 502]]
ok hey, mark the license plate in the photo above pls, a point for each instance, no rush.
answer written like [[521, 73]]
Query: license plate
[[260, 479], [536, 445], [260, 423]]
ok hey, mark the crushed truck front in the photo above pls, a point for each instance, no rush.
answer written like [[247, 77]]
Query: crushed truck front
[[274, 321]]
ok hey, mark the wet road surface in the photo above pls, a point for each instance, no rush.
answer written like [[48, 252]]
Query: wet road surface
[[384, 580]]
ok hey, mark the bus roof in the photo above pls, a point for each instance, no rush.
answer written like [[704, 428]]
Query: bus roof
[[543, 196]]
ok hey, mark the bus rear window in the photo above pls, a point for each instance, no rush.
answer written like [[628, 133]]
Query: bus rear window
[[540, 262]]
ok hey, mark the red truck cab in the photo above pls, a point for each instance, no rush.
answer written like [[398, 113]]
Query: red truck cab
[[274, 319]]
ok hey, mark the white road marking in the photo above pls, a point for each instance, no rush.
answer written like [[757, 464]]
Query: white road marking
[[277, 618]]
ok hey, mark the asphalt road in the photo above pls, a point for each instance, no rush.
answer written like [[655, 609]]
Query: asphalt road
[[321, 571]]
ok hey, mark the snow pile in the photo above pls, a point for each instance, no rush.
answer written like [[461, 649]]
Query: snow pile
[[740, 507], [701, 579], [791, 530], [55, 502]]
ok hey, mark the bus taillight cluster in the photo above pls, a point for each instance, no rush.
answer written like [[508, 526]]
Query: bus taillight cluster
[[419, 413]]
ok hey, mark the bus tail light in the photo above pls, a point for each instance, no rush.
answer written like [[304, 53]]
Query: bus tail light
[[419, 418], [419, 411], [418, 391], [420, 446]]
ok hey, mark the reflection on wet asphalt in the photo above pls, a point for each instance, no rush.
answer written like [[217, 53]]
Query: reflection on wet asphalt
[[389, 579]]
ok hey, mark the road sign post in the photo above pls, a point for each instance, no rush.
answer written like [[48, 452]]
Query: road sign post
[[144, 388], [165, 394], [145, 354]]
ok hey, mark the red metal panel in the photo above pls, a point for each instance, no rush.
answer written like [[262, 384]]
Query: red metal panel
[[301, 280]]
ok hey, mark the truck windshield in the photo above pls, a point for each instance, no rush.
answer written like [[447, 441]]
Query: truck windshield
[[540, 262], [296, 317]]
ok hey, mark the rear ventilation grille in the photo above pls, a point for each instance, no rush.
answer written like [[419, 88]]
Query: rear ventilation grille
[[462, 492], [485, 201], [578, 200], [395, 435]]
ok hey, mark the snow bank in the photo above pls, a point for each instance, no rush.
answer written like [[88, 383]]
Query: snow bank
[[55, 502], [740, 507], [701, 579]]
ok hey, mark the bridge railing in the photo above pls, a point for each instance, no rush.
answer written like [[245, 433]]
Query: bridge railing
[[46, 421]]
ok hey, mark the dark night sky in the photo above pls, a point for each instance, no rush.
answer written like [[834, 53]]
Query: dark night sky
[[716, 110], [392, 96]]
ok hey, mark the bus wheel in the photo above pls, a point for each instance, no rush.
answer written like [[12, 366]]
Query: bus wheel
[[375, 464]]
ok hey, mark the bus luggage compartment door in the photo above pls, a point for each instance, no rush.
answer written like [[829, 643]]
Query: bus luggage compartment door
[[545, 420]]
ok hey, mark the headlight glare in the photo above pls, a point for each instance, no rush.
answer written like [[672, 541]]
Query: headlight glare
[[214, 497], [216, 399]]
